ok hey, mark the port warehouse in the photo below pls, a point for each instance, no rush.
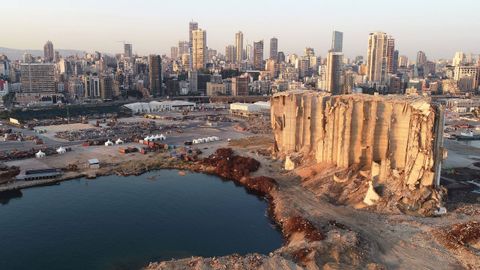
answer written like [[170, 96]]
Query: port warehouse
[[41, 174], [250, 109], [74, 110], [158, 106]]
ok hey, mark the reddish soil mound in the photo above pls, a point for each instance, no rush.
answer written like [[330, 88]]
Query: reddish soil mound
[[230, 166], [299, 224], [262, 184], [461, 234]]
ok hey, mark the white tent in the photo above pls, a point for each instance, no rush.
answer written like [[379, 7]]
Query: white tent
[[40, 154], [119, 141], [61, 150], [162, 137], [108, 143]]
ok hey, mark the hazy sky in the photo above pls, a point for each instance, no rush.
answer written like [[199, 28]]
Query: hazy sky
[[438, 27]]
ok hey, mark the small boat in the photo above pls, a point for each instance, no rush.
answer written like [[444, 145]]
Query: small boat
[[468, 136]]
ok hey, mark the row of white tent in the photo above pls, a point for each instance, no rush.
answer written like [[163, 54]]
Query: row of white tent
[[206, 140], [41, 154], [110, 143], [154, 138]]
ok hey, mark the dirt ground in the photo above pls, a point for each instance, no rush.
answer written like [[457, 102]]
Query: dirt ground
[[346, 238], [353, 239]]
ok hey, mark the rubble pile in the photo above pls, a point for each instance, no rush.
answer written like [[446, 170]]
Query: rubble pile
[[7, 173], [230, 166], [298, 224], [127, 131], [15, 154], [462, 235], [463, 239], [262, 185], [394, 142]]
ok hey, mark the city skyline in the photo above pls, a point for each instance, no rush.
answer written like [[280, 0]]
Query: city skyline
[[106, 24]]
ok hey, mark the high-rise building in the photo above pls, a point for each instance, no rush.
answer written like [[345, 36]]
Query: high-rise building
[[183, 47], [37, 78], [239, 47], [403, 61], [390, 56], [92, 86], [467, 76], [193, 26], [258, 55], [199, 49], [459, 59], [303, 66], [396, 56], [174, 52], [377, 58], [334, 73], [309, 52], [230, 53], [127, 50], [48, 52], [274, 48], [106, 87], [272, 68], [337, 41], [4, 67], [240, 85], [249, 51], [281, 57], [421, 59], [155, 75]]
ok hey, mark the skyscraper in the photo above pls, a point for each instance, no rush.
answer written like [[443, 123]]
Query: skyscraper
[[334, 73], [274, 48], [127, 50], [377, 58], [258, 55], [402, 61], [459, 59], [249, 51], [421, 59], [239, 47], [106, 87], [230, 54], [193, 26], [337, 41], [390, 55], [281, 57], [48, 52], [199, 49], [183, 47], [174, 52], [155, 75], [396, 55]]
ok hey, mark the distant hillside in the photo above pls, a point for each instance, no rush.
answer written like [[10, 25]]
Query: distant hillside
[[17, 54]]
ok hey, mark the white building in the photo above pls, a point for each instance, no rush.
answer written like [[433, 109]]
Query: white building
[[158, 106], [247, 109]]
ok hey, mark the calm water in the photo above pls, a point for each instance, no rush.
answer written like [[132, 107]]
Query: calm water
[[125, 222], [475, 144]]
